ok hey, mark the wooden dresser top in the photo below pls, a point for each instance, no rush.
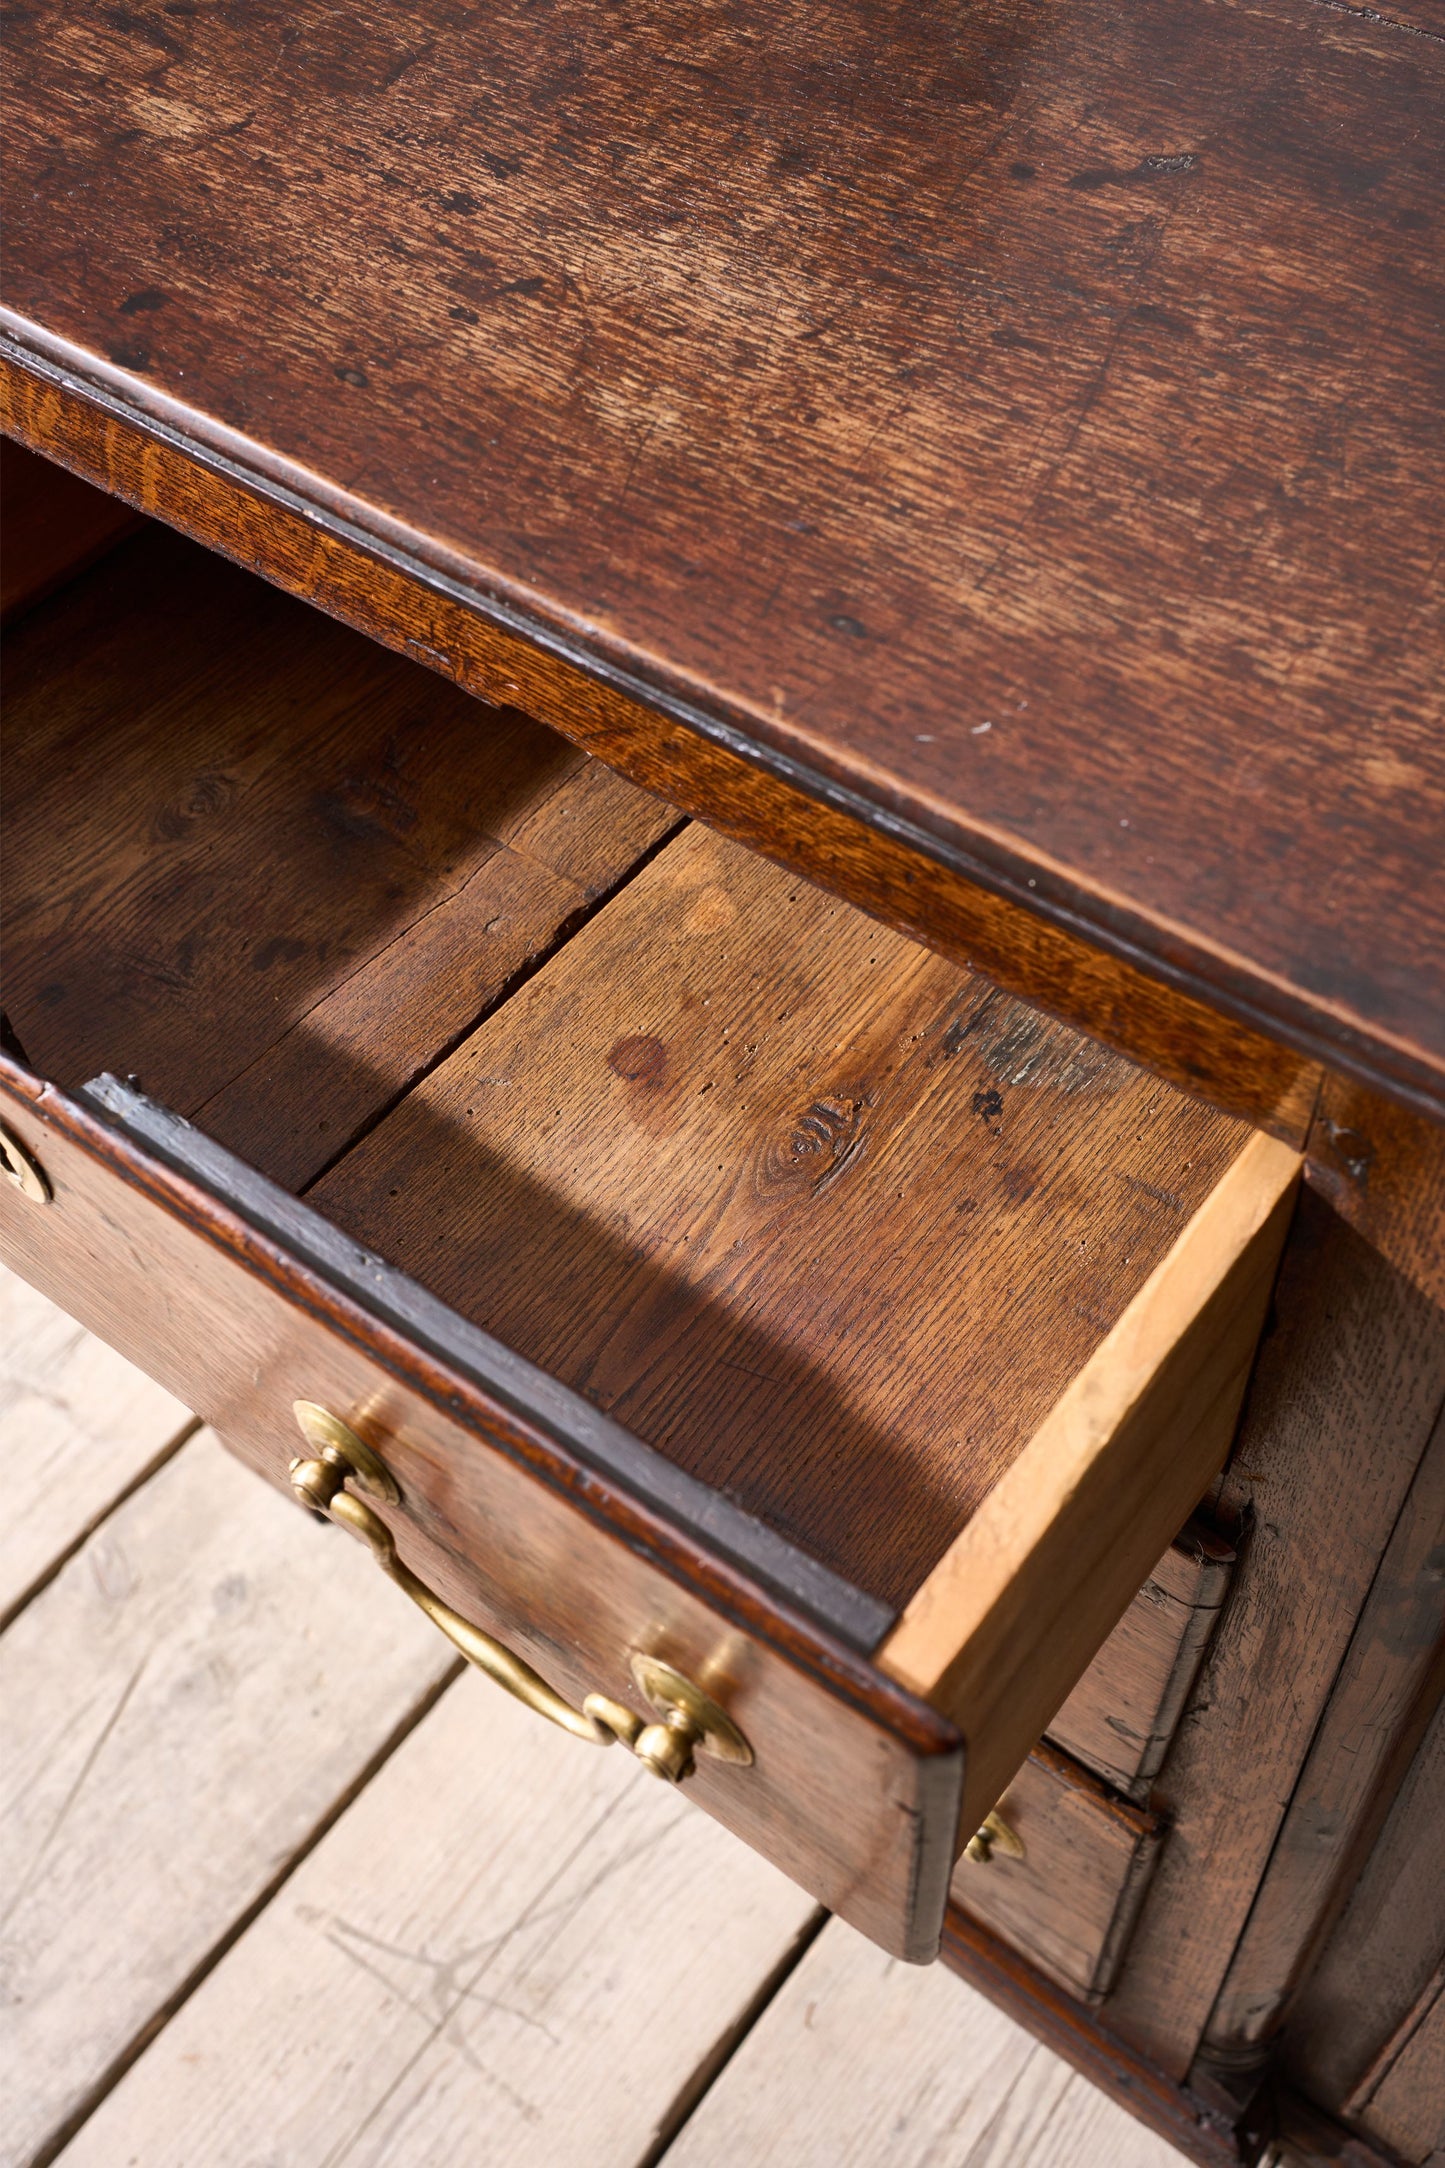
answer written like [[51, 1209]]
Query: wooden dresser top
[[1018, 421]]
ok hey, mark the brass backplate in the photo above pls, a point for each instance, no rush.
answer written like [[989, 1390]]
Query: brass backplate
[[18, 1167], [330, 1438], [668, 1690]]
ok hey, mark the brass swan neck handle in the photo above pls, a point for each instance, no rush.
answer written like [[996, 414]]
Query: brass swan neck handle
[[689, 1721]]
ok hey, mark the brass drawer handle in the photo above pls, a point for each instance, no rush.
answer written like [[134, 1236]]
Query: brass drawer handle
[[993, 1835], [690, 1720]]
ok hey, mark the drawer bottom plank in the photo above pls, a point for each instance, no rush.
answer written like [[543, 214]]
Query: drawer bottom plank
[[313, 864], [820, 1216]]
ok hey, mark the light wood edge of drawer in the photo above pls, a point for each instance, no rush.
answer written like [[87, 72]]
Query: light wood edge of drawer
[[1007, 1622]]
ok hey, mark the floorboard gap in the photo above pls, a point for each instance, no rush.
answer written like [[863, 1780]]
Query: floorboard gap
[[109, 2078], [98, 1519], [715, 2062]]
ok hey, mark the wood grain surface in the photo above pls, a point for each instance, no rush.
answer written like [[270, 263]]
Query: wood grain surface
[[1120, 1718], [147, 2123], [82, 1425], [1019, 1604], [507, 1949], [1081, 2035], [189, 1629], [1179, 1035], [1401, 2101], [312, 866], [1383, 1170], [1020, 422], [1389, 1685], [1306, 2138], [826, 1220], [919, 2073], [492, 1946], [508, 1511], [1347, 1390], [1070, 1902], [1386, 1948], [511, 1387]]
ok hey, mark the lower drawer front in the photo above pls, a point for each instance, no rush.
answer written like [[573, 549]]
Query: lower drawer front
[[1121, 1716], [1069, 1899]]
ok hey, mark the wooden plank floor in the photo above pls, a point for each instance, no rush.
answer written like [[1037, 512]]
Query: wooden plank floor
[[278, 1885]]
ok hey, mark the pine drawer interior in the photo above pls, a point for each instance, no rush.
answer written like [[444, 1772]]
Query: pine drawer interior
[[827, 1220]]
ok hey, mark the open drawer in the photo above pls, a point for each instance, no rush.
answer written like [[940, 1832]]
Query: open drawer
[[703, 1274]]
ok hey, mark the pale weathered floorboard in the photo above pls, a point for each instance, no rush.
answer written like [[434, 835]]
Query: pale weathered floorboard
[[184, 1702], [861, 2060], [79, 1425], [512, 1948]]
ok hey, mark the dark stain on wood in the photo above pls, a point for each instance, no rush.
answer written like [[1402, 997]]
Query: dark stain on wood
[[640, 1060]]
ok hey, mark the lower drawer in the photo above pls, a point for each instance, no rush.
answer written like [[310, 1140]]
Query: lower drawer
[[1060, 1872], [1120, 1717], [699, 1274]]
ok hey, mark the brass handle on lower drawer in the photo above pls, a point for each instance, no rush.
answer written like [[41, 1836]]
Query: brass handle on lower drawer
[[691, 1721], [993, 1835]]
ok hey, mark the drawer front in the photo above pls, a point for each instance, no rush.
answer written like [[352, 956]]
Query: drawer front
[[1069, 1901], [1121, 1716], [855, 1785]]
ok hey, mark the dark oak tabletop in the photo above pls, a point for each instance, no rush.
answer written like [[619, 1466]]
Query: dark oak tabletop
[[1018, 422]]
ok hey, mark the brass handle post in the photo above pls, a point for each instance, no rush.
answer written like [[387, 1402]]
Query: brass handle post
[[993, 1835], [691, 1722]]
